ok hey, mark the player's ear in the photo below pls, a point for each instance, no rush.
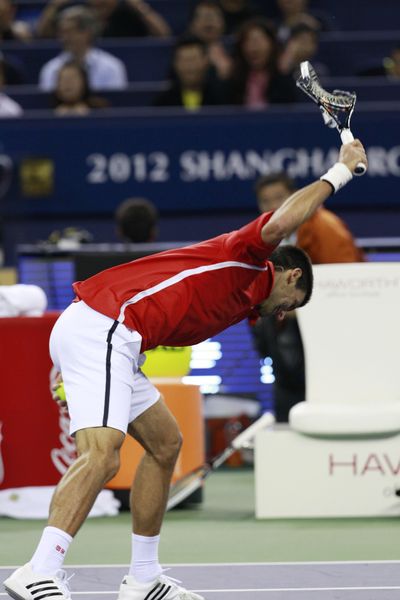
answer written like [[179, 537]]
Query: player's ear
[[295, 274]]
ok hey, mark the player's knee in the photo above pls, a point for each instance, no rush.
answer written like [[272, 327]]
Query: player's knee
[[99, 449], [168, 449], [105, 461]]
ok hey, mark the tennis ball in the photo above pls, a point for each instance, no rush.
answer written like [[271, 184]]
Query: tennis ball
[[60, 392]]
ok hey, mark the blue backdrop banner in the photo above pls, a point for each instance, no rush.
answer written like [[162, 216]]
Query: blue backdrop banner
[[183, 162]]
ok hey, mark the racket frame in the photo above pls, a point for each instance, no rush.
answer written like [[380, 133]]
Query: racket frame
[[200, 474], [333, 105]]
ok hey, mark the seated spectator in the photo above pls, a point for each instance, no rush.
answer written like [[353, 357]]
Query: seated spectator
[[302, 45], [72, 95], [390, 66], [208, 24], [77, 28], [117, 18], [236, 12], [8, 106], [296, 12], [256, 80], [137, 221], [10, 29], [193, 84]]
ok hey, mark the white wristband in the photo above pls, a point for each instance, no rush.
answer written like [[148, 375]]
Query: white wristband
[[338, 176]]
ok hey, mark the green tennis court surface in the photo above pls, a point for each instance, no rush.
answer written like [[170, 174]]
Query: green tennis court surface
[[204, 543]]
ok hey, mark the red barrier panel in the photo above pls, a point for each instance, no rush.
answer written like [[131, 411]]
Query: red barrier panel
[[35, 448], [29, 418]]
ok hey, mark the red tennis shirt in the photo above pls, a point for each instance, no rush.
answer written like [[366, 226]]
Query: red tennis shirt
[[183, 296]]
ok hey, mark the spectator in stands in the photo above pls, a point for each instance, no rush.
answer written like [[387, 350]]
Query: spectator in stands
[[72, 95], [390, 66], [326, 239], [117, 18], [236, 12], [77, 29], [10, 29], [302, 45], [208, 24], [8, 106], [296, 12], [256, 81], [193, 83], [137, 221]]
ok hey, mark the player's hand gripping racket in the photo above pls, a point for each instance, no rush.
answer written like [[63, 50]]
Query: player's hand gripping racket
[[336, 107], [183, 488]]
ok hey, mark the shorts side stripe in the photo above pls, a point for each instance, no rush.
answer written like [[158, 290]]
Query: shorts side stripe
[[108, 373]]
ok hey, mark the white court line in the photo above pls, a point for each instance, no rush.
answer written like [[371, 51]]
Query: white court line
[[254, 590], [234, 564]]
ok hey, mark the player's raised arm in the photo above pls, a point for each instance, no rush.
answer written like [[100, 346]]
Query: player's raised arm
[[303, 203]]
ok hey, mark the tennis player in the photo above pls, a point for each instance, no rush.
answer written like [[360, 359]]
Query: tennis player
[[175, 298]]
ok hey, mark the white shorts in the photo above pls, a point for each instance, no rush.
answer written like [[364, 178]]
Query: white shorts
[[99, 360]]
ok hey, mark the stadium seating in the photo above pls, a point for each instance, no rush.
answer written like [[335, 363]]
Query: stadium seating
[[137, 94], [347, 16], [148, 59], [176, 12], [368, 89]]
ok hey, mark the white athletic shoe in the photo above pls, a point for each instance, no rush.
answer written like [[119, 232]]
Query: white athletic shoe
[[24, 584], [162, 588]]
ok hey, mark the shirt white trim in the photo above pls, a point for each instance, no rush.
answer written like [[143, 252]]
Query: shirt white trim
[[179, 277]]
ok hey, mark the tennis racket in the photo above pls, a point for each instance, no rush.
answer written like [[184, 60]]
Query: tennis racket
[[337, 107], [183, 488]]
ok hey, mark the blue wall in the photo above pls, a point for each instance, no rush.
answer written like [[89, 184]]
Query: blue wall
[[57, 172]]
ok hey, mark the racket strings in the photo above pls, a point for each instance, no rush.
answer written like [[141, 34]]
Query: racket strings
[[337, 106]]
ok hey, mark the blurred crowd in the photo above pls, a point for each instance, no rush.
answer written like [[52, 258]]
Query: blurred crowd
[[230, 52]]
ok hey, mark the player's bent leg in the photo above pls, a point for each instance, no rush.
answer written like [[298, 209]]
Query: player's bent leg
[[97, 462], [158, 433]]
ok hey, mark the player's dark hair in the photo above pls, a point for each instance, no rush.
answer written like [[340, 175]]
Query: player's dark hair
[[136, 220], [290, 257], [279, 177]]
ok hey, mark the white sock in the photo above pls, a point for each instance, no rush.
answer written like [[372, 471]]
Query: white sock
[[145, 566], [51, 551]]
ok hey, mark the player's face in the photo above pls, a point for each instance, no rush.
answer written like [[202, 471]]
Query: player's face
[[272, 196], [285, 296]]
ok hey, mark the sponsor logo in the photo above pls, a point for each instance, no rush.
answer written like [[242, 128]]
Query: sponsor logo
[[63, 457], [361, 466]]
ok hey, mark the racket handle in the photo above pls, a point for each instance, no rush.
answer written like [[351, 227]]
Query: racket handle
[[266, 420], [346, 136]]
